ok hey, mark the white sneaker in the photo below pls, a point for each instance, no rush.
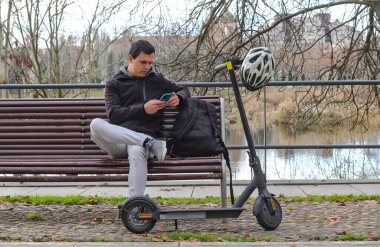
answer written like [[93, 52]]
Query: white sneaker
[[158, 147]]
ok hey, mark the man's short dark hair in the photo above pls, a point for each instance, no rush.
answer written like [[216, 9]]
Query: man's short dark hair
[[141, 46]]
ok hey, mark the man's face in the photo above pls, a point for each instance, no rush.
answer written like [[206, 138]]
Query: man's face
[[140, 65]]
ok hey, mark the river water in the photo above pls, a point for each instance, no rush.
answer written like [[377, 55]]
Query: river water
[[310, 164]]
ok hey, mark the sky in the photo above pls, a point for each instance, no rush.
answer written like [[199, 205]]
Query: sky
[[173, 9], [79, 13], [80, 16]]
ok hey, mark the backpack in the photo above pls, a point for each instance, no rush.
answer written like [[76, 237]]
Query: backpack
[[195, 133]]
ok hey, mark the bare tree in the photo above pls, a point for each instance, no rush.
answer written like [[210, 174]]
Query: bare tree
[[306, 43], [40, 52], [305, 40], [4, 48]]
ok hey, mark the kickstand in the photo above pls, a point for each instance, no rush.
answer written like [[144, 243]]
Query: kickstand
[[176, 224]]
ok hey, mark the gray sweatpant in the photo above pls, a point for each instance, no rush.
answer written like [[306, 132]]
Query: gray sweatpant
[[120, 142]]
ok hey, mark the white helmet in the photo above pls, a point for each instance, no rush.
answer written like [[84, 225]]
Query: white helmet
[[257, 68]]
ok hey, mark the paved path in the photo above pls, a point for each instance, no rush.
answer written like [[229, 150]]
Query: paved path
[[183, 244], [196, 189]]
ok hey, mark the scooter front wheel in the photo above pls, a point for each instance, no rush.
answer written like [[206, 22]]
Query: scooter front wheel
[[268, 219], [138, 215]]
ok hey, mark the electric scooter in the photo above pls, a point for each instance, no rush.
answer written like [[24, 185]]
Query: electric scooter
[[140, 214]]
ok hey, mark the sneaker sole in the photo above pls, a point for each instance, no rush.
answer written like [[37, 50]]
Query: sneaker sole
[[163, 154]]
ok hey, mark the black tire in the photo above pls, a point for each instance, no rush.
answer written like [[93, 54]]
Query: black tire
[[129, 212], [264, 217]]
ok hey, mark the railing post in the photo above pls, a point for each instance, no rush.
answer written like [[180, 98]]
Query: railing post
[[265, 132]]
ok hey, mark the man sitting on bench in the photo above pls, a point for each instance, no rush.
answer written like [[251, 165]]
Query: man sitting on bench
[[134, 105]]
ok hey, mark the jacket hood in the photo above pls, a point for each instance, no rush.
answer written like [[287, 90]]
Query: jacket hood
[[123, 73]]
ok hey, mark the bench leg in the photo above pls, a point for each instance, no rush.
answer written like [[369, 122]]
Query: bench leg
[[223, 182], [223, 188]]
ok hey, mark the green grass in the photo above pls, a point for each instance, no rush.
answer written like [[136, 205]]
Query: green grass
[[332, 198], [97, 239], [290, 208], [10, 238], [82, 200], [37, 239], [187, 236], [352, 237], [65, 200], [118, 239], [171, 200], [266, 238], [35, 217]]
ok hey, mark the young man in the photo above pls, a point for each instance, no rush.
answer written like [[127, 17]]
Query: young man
[[135, 114]]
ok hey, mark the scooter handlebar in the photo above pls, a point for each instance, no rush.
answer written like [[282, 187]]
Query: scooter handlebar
[[220, 67], [236, 61]]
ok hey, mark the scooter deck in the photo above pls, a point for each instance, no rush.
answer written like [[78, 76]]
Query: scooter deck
[[211, 213]]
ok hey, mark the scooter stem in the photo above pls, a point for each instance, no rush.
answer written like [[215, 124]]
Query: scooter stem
[[259, 178]]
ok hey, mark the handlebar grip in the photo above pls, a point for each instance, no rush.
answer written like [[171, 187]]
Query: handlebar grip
[[220, 67]]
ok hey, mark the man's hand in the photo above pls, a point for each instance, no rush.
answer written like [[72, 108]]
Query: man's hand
[[173, 101], [153, 106]]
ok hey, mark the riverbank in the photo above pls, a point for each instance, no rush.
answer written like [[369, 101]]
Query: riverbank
[[301, 109]]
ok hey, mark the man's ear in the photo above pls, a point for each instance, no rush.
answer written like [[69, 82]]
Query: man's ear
[[130, 58]]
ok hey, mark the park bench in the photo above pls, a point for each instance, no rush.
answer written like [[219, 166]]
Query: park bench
[[48, 140]]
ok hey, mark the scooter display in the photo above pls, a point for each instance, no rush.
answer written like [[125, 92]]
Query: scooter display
[[139, 214]]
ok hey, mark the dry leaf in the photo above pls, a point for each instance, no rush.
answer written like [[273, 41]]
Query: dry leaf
[[246, 235], [341, 203], [165, 238], [334, 217], [157, 239], [220, 240]]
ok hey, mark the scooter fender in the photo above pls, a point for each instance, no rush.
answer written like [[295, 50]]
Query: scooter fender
[[134, 198]]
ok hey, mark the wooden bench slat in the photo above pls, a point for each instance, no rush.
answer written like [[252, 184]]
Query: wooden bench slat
[[42, 115], [52, 109], [51, 102], [199, 161], [51, 152], [54, 129], [50, 147], [88, 115], [45, 141], [107, 170], [71, 156], [67, 135], [45, 122], [113, 178], [44, 129]]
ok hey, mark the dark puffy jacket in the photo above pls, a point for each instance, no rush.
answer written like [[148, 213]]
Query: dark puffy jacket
[[126, 95]]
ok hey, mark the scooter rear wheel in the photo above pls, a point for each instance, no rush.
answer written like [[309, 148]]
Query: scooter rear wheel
[[132, 210], [261, 210]]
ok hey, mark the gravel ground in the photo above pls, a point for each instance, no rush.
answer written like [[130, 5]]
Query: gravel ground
[[302, 221]]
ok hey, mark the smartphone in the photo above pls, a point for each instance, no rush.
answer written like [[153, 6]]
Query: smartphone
[[166, 96]]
